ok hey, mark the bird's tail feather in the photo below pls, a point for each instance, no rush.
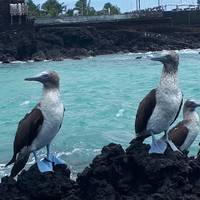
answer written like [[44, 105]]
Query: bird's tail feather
[[21, 161], [142, 136], [11, 161]]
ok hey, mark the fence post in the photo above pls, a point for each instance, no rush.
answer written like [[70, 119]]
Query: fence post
[[189, 19], [11, 20]]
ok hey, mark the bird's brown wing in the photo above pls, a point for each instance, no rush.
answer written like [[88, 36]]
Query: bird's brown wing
[[27, 131], [178, 134], [144, 112]]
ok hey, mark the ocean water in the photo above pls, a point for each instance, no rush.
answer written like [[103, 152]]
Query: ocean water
[[100, 94]]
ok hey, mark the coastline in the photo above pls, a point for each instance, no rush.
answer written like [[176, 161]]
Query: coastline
[[59, 43], [114, 174], [138, 55]]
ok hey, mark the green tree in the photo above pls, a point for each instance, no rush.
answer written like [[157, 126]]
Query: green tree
[[33, 10], [84, 7], [111, 9], [91, 11], [70, 12], [52, 7], [81, 5]]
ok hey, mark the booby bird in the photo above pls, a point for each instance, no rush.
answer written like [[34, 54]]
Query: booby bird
[[160, 108], [185, 132], [38, 128]]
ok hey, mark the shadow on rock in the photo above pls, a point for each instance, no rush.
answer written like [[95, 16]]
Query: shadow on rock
[[115, 174]]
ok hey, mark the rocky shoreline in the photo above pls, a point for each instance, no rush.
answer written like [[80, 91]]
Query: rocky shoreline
[[58, 43], [115, 174]]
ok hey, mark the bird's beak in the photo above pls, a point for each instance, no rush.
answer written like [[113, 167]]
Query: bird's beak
[[159, 58], [197, 105], [36, 78]]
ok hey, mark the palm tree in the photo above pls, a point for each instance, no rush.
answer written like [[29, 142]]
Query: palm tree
[[53, 7]]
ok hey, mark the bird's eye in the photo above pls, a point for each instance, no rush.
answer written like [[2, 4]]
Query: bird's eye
[[45, 77]]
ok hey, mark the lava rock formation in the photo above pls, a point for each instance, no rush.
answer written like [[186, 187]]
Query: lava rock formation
[[115, 174]]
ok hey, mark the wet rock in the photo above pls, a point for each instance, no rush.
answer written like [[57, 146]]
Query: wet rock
[[38, 56], [79, 41], [54, 54], [7, 58], [76, 53], [91, 53]]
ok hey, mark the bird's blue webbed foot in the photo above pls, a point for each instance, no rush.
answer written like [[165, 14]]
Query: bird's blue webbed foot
[[45, 165], [158, 146], [55, 160]]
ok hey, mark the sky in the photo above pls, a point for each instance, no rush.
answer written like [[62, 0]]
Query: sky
[[125, 5]]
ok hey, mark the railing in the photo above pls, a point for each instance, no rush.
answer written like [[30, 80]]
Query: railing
[[180, 7]]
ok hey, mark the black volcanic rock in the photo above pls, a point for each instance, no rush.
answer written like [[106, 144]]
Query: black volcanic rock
[[115, 174], [137, 175], [78, 41], [6, 58], [38, 56], [32, 184]]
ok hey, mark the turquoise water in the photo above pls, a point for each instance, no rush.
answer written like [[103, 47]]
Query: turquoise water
[[101, 96]]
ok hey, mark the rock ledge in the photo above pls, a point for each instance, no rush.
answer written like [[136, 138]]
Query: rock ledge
[[115, 174]]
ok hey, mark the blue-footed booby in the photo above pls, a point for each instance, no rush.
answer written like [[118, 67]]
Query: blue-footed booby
[[186, 131], [38, 128], [160, 108]]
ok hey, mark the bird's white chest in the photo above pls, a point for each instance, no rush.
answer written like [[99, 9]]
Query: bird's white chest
[[168, 102], [53, 111], [194, 129]]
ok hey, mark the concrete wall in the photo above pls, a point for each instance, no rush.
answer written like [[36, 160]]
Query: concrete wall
[[181, 17], [83, 19], [184, 17]]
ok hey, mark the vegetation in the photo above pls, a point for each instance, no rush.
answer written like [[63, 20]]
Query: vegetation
[[53, 8], [84, 8], [91, 11], [111, 9], [33, 10], [70, 12], [81, 5]]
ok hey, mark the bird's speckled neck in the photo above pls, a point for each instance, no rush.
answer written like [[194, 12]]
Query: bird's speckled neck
[[53, 94], [169, 79]]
